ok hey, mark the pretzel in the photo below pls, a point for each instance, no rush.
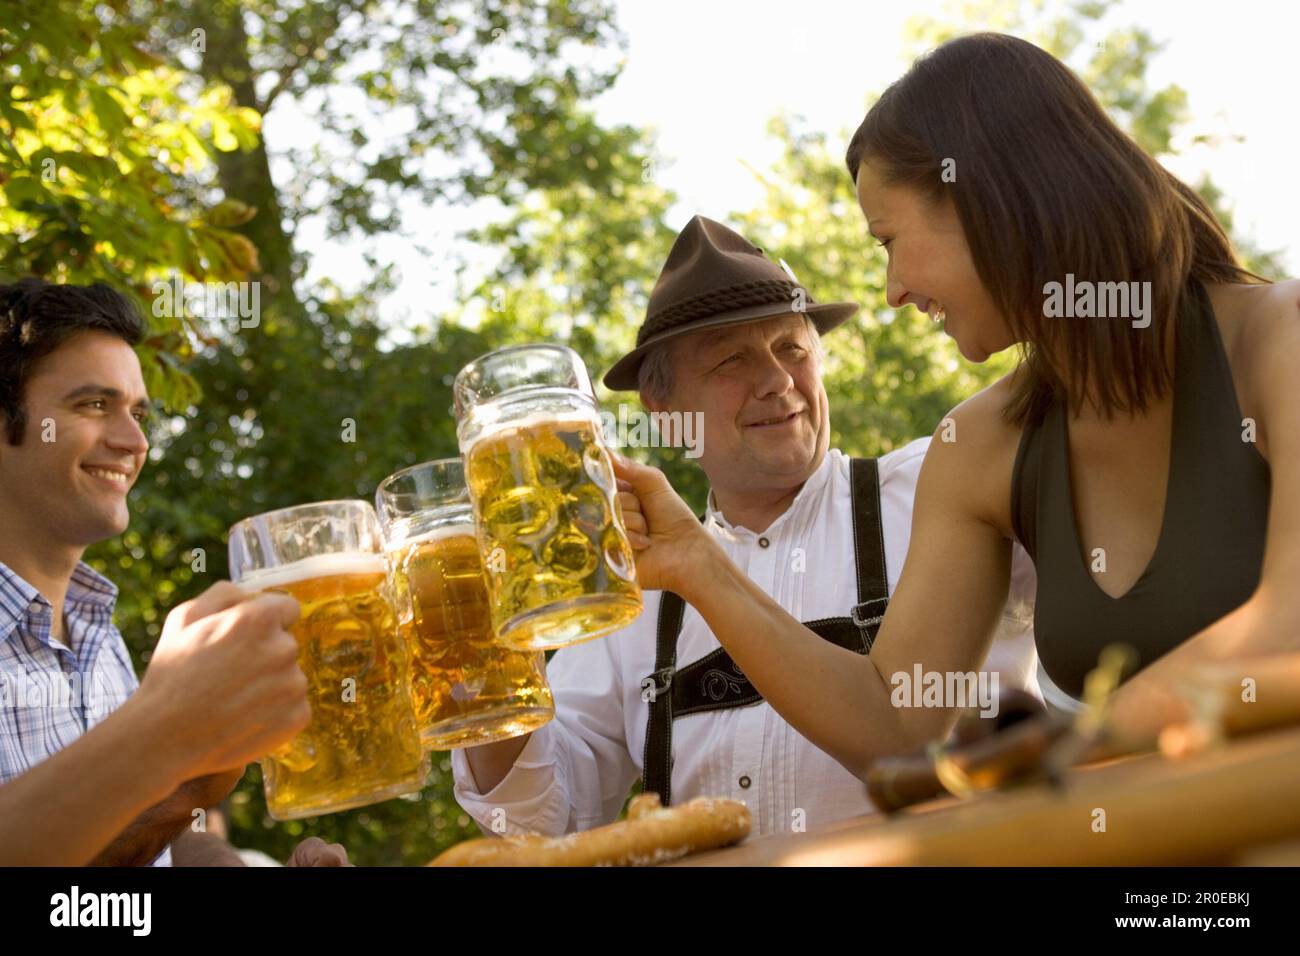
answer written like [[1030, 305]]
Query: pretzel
[[651, 834]]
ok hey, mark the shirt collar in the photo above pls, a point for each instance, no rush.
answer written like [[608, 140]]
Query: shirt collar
[[88, 586], [17, 596], [811, 488]]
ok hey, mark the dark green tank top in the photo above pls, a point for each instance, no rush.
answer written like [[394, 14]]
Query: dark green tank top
[[1211, 543]]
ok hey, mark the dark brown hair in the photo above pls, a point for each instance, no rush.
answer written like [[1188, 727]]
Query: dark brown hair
[[1046, 184], [36, 317]]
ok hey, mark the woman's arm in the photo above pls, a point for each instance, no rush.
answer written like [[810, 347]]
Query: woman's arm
[[942, 615]]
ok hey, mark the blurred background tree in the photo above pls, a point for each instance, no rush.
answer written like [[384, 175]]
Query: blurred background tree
[[134, 148]]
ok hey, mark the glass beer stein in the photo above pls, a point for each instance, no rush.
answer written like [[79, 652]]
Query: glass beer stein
[[362, 744], [559, 567], [467, 687]]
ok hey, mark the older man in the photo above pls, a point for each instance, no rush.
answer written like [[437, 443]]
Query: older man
[[728, 334]]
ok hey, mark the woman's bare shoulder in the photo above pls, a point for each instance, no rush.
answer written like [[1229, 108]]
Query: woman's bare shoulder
[[974, 449], [1271, 354], [1278, 308], [984, 414], [1252, 315], [1262, 328]]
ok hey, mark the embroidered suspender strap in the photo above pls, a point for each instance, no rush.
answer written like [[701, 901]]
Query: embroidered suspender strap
[[656, 690], [715, 682], [868, 549]]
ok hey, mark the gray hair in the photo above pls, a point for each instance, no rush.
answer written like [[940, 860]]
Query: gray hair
[[656, 374]]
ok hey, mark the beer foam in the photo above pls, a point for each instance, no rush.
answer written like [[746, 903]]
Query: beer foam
[[533, 420], [317, 566], [462, 529]]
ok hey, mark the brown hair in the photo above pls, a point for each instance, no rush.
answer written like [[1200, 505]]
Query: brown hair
[[36, 317], [1046, 184]]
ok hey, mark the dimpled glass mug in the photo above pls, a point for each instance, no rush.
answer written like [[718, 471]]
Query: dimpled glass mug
[[559, 566], [468, 688], [362, 744]]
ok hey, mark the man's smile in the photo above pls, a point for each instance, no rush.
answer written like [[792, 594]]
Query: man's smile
[[111, 475], [776, 422]]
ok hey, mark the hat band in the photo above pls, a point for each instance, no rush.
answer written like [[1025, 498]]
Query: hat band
[[716, 301]]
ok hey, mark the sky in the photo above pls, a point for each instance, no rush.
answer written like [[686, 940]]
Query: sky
[[707, 75]]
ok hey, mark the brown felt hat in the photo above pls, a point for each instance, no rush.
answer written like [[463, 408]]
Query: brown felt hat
[[714, 277]]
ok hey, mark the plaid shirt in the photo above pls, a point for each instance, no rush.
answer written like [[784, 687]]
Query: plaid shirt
[[51, 694]]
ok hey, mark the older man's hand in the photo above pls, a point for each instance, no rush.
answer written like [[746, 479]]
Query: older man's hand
[[671, 547]]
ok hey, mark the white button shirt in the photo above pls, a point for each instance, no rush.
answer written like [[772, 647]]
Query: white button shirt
[[575, 772]]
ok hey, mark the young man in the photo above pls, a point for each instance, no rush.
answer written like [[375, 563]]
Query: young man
[[730, 337], [94, 766]]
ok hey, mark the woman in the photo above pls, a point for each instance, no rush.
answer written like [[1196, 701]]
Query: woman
[[1146, 450]]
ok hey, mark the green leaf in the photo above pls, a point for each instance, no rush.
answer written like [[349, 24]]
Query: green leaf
[[231, 212], [108, 111]]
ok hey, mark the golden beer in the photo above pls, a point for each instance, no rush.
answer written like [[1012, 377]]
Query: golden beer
[[467, 688], [559, 566], [361, 744]]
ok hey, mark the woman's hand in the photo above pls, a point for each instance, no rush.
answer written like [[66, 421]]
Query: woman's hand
[[672, 549]]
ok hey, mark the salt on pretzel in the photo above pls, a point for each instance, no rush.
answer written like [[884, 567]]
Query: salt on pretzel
[[651, 834]]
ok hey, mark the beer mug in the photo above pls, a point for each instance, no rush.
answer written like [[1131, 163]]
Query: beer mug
[[362, 744], [559, 566], [468, 689]]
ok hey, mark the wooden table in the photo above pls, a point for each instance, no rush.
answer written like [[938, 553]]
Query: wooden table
[[1236, 804]]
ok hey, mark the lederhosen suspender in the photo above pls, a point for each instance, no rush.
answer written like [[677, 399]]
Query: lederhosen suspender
[[714, 682]]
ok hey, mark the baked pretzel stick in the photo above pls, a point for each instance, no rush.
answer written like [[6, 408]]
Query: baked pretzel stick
[[651, 834]]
